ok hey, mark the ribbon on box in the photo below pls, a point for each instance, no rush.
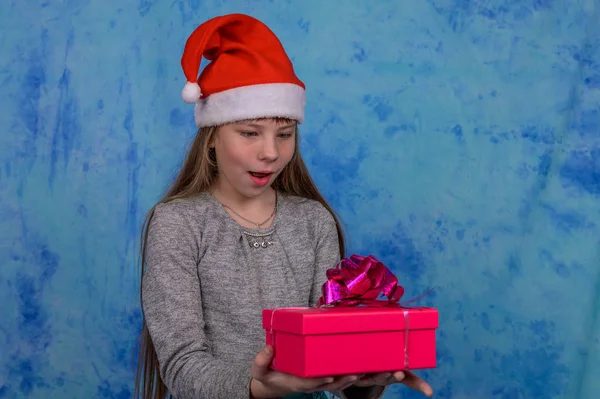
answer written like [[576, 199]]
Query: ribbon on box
[[362, 280]]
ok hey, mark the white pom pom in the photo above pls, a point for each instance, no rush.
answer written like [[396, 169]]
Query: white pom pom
[[191, 92]]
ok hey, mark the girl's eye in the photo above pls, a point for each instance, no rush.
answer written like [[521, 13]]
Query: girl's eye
[[285, 135], [248, 134]]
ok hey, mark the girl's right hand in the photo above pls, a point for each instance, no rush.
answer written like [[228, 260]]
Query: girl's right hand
[[267, 383]]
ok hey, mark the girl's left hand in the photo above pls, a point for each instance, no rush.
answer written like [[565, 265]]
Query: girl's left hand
[[407, 378]]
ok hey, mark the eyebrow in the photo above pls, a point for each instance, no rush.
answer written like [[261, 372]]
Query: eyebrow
[[258, 126]]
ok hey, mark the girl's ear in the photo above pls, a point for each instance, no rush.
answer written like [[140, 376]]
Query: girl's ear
[[211, 143]]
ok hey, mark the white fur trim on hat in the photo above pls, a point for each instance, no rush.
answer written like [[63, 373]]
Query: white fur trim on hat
[[271, 100]]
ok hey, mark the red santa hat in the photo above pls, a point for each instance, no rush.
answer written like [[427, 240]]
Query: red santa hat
[[249, 74]]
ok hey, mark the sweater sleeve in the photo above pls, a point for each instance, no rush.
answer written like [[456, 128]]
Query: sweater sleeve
[[327, 256], [172, 308]]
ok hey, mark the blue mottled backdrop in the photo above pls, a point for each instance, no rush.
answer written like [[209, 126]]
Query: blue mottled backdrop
[[471, 161]]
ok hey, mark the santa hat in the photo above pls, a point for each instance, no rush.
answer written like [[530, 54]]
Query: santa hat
[[249, 75]]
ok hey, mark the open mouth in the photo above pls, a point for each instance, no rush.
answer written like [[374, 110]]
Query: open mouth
[[260, 175], [260, 178]]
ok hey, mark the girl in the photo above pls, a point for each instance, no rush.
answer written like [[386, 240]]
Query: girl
[[242, 229]]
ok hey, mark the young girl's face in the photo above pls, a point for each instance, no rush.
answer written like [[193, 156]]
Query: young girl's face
[[251, 154]]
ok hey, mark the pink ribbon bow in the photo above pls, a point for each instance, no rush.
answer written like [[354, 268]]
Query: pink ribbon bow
[[360, 280]]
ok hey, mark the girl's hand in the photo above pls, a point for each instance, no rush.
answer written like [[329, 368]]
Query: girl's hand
[[407, 378], [267, 383]]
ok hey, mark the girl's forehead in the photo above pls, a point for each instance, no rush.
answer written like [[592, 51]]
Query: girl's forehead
[[277, 120], [267, 122]]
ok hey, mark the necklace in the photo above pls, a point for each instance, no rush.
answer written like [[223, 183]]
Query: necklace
[[258, 225], [258, 240]]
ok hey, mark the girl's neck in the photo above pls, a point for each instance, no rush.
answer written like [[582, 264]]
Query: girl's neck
[[231, 197]]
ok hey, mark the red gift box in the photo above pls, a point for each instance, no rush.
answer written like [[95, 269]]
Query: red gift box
[[353, 331], [318, 342]]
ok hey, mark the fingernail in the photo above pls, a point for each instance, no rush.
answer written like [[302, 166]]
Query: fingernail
[[329, 380], [268, 351]]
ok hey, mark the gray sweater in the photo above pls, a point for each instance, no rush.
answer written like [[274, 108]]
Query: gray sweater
[[205, 286]]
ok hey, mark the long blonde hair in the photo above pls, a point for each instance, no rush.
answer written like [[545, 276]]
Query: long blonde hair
[[197, 174]]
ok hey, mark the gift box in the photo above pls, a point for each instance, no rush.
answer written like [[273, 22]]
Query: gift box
[[353, 330], [320, 342]]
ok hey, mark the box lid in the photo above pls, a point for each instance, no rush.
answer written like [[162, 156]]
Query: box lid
[[315, 321]]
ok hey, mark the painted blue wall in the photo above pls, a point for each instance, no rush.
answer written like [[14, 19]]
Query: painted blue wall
[[459, 140]]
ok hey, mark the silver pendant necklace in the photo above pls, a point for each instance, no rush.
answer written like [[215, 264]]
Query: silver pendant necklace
[[258, 240], [261, 240]]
